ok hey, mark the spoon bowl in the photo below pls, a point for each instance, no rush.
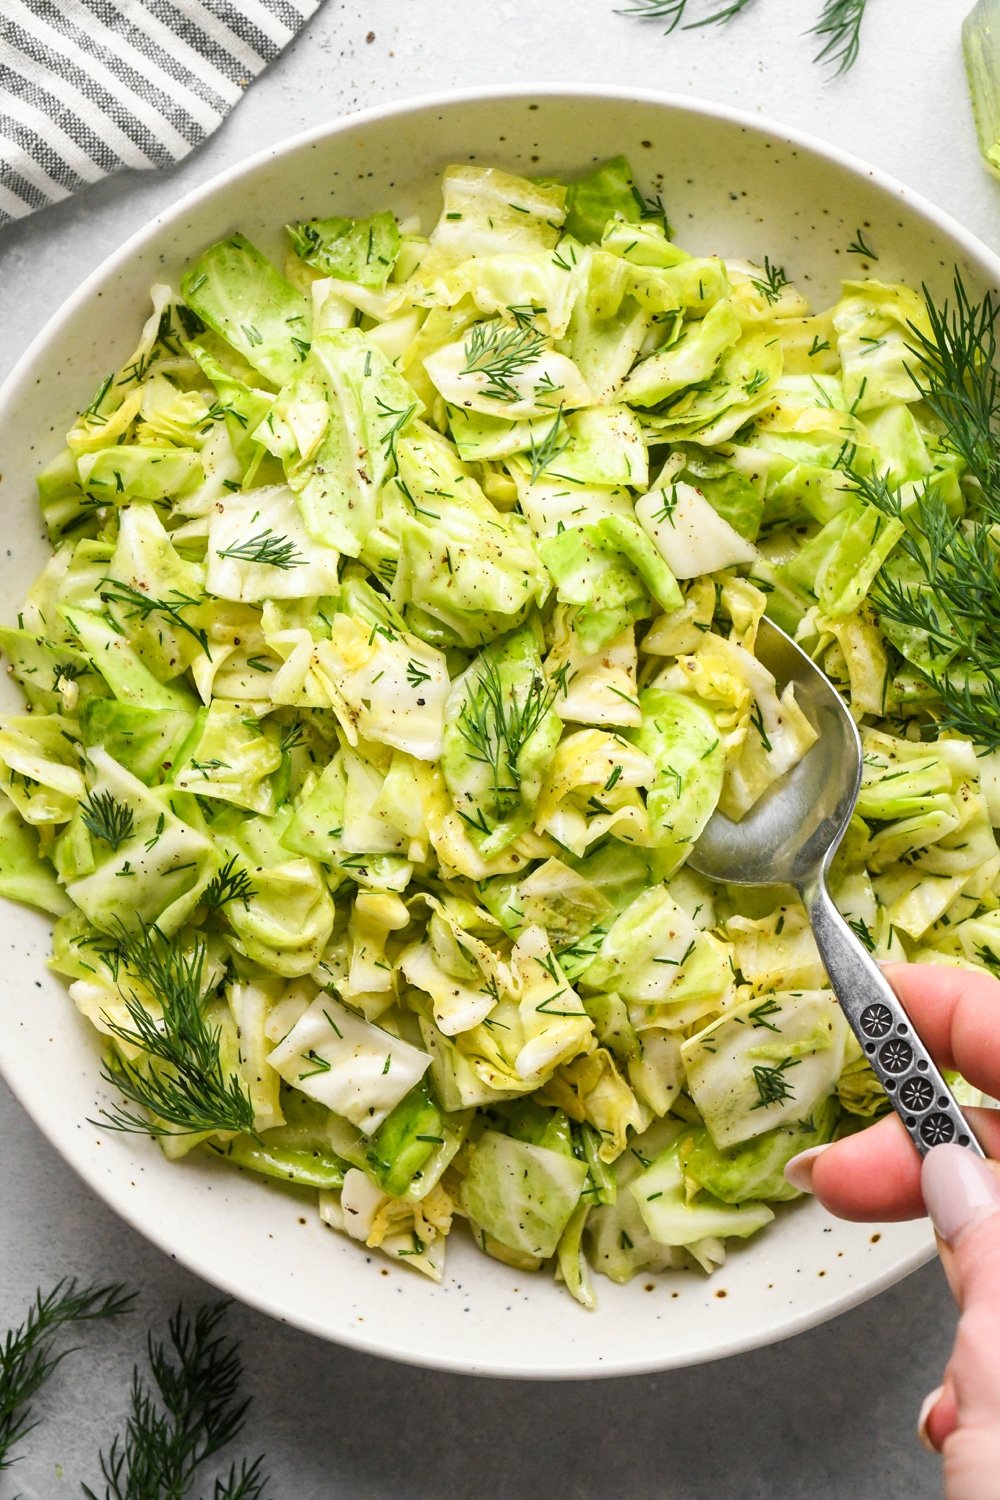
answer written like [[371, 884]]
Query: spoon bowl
[[795, 827]]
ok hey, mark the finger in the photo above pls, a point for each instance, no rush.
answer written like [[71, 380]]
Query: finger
[[968, 1434], [962, 1194], [875, 1175], [938, 1415], [957, 1015]]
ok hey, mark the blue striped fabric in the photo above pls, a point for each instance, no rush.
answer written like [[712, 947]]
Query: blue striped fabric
[[89, 86]]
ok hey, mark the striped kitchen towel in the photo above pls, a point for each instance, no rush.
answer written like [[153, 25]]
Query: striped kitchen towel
[[89, 86]]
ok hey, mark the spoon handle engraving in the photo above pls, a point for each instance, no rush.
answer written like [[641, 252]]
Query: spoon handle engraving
[[902, 1064]]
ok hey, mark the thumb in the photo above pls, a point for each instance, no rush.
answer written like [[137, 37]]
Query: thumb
[[962, 1196]]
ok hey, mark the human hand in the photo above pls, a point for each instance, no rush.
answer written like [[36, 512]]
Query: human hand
[[877, 1174]]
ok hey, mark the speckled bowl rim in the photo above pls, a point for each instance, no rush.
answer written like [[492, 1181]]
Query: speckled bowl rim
[[757, 125]]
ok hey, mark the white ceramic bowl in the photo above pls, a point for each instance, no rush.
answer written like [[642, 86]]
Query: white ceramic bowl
[[733, 185]]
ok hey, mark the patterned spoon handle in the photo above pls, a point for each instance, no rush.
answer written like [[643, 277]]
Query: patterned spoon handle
[[902, 1064]]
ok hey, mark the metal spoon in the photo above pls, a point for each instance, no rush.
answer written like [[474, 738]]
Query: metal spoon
[[789, 837]]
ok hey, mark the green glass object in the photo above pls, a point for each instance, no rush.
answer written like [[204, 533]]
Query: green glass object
[[981, 43]]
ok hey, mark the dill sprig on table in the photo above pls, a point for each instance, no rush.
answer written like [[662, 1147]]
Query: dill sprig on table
[[674, 12], [949, 587], [27, 1356], [180, 1081], [191, 1411], [839, 25], [839, 29]]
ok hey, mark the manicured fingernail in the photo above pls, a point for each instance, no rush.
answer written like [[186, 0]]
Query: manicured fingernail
[[960, 1190], [925, 1413], [799, 1171]]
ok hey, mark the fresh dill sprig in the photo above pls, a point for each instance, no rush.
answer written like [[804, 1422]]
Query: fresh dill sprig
[[760, 1015], [959, 380], [973, 710], [248, 1482], [859, 246], [985, 955], [653, 210], [416, 675], [674, 12], [67, 671], [548, 447], [719, 17], [496, 725], [942, 583], [189, 1412], [180, 1081], [27, 1357], [524, 313], [772, 283], [135, 603], [772, 1085], [839, 29], [948, 592], [862, 932], [500, 352], [231, 883], [397, 420], [267, 548], [220, 410], [671, 11], [91, 413], [106, 818], [291, 736], [839, 25]]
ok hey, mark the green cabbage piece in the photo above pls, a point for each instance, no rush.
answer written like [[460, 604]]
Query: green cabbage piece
[[673, 1218], [608, 193], [157, 866], [684, 744], [356, 1069], [519, 1194], [608, 571], [755, 1169], [146, 741], [24, 874], [486, 210], [285, 922], [362, 250], [690, 361], [500, 732], [413, 1145], [225, 755], [237, 292], [335, 425], [656, 958], [768, 1060]]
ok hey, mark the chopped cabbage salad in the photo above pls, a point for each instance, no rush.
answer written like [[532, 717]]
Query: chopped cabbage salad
[[396, 645]]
